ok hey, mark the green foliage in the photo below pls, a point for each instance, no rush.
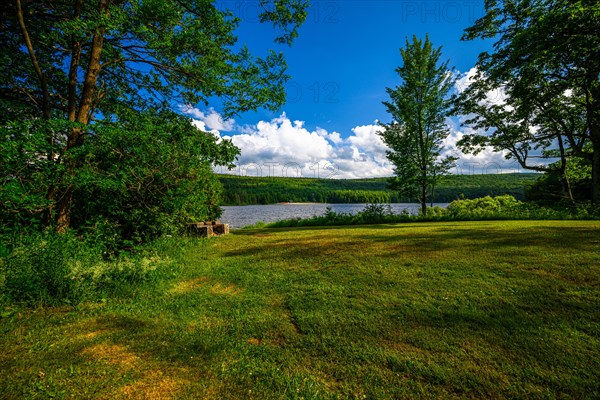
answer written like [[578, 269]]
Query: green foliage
[[27, 169], [138, 177], [486, 208], [258, 225], [151, 51], [50, 269], [371, 214], [507, 207], [418, 107], [38, 270], [376, 212], [549, 187]]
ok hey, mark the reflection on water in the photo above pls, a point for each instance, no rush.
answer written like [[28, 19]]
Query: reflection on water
[[239, 216]]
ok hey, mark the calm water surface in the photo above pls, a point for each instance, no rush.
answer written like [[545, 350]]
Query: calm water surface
[[240, 216]]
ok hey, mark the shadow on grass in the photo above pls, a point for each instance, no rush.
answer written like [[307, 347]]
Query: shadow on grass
[[438, 237]]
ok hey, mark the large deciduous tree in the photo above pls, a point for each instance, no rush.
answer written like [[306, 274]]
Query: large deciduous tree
[[419, 107], [71, 68], [547, 58], [530, 123]]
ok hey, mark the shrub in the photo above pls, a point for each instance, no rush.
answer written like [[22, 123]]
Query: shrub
[[37, 271], [50, 269], [375, 213], [258, 225], [484, 207]]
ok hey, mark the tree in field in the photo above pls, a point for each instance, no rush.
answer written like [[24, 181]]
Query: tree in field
[[547, 58], [76, 71], [419, 107]]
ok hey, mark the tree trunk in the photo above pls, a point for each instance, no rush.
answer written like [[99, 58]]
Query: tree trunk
[[595, 139], [424, 199], [83, 116], [63, 206], [565, 184]]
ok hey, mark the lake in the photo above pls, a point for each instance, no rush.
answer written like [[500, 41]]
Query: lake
[[240, 216]]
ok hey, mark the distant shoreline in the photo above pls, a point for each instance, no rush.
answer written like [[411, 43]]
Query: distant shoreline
[[238, 190], [293, 203]]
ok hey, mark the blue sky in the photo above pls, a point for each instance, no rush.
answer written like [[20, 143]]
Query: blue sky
[[348, 50], [341, 63]]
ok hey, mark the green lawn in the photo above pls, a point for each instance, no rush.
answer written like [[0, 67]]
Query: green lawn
[[437, 310]]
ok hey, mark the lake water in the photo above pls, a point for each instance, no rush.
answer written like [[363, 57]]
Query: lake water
[[240, 216]]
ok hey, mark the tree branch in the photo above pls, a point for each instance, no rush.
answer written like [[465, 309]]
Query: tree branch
[[34, 61]]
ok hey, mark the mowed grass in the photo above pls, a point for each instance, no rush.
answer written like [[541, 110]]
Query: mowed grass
[[436, 310]]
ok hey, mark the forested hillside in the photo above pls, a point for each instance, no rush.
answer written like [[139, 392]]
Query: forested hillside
[[240, 190]]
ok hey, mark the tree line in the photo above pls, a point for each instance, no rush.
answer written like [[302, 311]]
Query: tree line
[[238, 190]]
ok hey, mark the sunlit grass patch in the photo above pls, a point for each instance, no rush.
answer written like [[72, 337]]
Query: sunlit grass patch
[[189, 285]]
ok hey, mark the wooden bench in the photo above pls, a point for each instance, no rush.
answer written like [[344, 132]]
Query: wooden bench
[[208, 228]]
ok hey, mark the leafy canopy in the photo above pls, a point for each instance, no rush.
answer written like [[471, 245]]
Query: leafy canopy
[[547, 59]]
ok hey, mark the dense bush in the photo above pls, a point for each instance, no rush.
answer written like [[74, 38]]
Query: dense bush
[[507, 207], [484, 207], [49, 269], [371, 214], [148, 176], [26, 171], [136, 181], [549, 187]]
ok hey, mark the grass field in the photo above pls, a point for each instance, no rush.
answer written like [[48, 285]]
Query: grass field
[[437, 310]]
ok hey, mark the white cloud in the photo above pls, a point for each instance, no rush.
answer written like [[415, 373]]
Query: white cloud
[[210, 121], [281, 144], [367, 141], [202, 126], [335, 137], [285, 147]]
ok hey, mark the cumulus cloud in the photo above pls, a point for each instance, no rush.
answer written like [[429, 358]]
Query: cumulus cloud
[[367, 141], [202, 126], [486, 161], [285, 147], [209, 121]]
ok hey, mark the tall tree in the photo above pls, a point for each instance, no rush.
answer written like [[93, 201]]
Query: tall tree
[[419, 107], [81, 61], [543, 50]]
